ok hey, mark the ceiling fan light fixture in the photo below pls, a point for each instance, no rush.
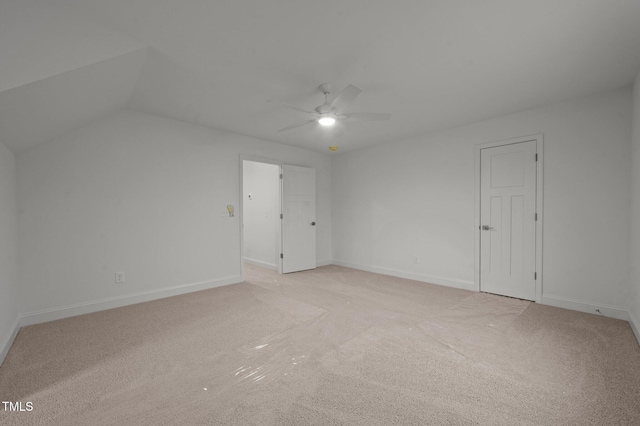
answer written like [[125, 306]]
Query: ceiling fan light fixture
[[327, 120]]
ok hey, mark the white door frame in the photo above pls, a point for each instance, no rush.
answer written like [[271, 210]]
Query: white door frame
[[539, 200], [241, 207]]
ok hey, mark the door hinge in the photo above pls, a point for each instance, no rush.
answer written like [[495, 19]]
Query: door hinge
[[536, 156], [535, 276], [281, 216], [280, 175], [536, 218], [281, 256]]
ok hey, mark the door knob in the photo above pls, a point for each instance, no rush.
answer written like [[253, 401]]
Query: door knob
[[313, 224], [487, 228]]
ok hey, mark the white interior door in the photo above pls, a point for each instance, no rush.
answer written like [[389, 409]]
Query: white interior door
[[508, 220], [298, 218]]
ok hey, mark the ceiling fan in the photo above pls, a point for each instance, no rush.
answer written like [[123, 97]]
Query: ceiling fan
[[329, 113]]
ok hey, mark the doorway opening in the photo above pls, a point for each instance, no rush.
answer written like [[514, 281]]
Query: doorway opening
[[277, 216], [261, 214]]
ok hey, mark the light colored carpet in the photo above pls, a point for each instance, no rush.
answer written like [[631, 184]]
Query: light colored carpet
[[324, 347]]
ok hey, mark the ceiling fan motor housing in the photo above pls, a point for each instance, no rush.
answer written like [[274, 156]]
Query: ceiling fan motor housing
[[325, 108]]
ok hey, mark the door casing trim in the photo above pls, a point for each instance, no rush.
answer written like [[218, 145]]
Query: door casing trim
[[539, 139]]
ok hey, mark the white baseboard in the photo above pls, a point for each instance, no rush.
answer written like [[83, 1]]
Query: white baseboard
[[262, 264], [7, 341], [635, 326], [588, 307], [275, 267], [119, 301], [447, 282]]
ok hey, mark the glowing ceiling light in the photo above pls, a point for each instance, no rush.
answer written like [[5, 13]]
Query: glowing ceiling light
[[327, 120]]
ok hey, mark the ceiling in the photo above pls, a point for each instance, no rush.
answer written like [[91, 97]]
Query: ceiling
[[431, 64]]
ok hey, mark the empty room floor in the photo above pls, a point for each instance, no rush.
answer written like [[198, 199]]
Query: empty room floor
[[328, 346]]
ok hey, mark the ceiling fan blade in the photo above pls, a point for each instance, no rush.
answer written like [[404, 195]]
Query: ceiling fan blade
[[367, 116], [344, 98], [294, 107], [293, 126]]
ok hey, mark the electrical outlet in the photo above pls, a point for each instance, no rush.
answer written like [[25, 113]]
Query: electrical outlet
[[119, 277]]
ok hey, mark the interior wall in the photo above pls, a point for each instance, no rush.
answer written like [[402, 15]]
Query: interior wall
[[8, 249], [143, 195], [261, 191], [634, 255], [416, 198]]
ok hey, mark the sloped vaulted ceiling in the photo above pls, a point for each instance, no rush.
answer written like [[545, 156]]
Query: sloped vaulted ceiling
[[59, 73], [433, 64]]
